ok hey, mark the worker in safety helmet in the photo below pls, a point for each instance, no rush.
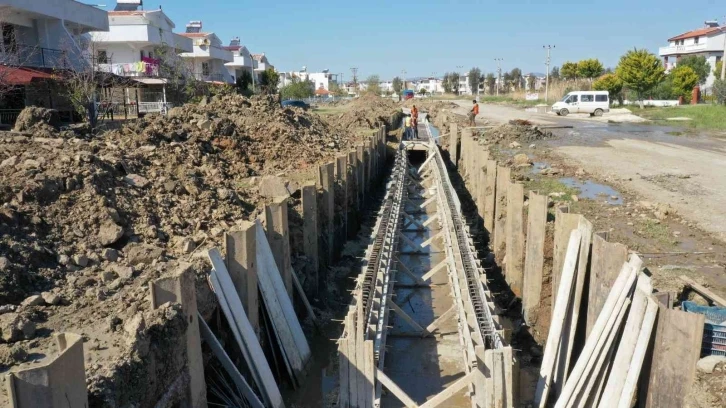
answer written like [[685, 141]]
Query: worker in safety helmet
[[407, 130]]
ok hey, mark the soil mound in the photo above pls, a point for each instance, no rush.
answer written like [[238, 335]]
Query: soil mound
[[370, 112], [34, 117]]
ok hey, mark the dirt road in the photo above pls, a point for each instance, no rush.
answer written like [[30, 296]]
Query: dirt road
[[654, 162]]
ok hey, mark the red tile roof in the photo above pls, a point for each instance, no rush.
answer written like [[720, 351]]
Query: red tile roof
[[22, 75], [697, 33]]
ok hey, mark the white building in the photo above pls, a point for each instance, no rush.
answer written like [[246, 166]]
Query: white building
[[708, 41], [47, 33], [137, 44], [38, 37], [321, 80], [431, 85], [207, 59], [242, 60]]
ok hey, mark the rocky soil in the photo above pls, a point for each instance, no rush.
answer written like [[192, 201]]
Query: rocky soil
[[86, 222]]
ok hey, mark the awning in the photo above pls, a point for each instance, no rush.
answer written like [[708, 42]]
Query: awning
[[23, 75], [151, 81], [322, 91]]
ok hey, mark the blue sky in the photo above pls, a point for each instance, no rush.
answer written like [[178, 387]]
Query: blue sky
[[423, 37]]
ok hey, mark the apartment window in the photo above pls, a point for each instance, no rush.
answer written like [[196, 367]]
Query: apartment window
[[695, 40], [141, 55], [9, 39], [102, 57], [205, 68]]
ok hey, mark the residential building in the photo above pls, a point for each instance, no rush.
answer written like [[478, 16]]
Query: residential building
[[708, 41], [47, 34], [321, 80], [137, 43], [242, 60], [38, 38], [431, 85], [261, 62], [208, 58]]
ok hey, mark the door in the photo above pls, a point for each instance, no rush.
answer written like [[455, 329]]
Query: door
[[587, 103], [573, 103]]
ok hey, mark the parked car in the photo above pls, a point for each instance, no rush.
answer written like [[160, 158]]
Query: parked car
[[593, 102], [408, 94], [295, 103]]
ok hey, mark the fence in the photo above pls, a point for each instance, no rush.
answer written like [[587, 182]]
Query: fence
[[9, 116]]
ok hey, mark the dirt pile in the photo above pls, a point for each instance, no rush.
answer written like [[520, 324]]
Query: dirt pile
[[36, 119], [87, 223], [370, 112], [513, 134]]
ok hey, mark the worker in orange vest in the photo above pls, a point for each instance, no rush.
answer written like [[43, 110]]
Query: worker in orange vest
[[472, 114], [414, 119]]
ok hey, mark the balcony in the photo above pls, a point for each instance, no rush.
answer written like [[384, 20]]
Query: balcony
[[133, 69], [682, 49], [209, 77], [37, 57]]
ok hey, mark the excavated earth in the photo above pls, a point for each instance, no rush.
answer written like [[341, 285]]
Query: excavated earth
[[87, 221]]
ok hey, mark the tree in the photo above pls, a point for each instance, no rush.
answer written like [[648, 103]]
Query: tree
[[555, 74], [719, 90], [422, 91], [516, 77], [373, 84], [397, 85], [612, 84], [446, 83], [298, 89], [717, 70], [684, 80], [640, 71], [181, 83], [590, 68], [474, 79], [531, 81], [699, 65], [454, 81], [569, 70], [337, 90], [243, 83], [491, 82], [269, 80], [506, 82]]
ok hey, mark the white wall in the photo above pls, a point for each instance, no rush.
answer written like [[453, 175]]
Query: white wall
[[88, 17]]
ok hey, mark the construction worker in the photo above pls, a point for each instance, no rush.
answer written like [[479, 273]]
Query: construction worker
[[407, 131], [472, 114], [414, 119]]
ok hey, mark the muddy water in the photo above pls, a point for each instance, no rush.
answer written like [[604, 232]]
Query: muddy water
[[594, 191], [423, 367]]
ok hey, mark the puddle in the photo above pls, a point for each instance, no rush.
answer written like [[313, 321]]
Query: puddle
[[594, 191], [537, 167]]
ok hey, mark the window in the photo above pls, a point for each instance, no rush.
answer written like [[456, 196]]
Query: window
[[695, 40], [205, 68], [102, 57], [601, 98], [587, 98], [141, 53], [573, 99], [9, 40]]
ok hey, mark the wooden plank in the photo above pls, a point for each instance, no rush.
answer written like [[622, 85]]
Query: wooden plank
[[718, 300], [568, 351], [218, 350], [607, 260], [490, 189], [534, 258], [395, 389], [677, 349], [403, 315], [454, 144], [562, 303], [499, 391], [435, 324], [352, 196], [242, 330], [452, 389], [279, 307], [500, 216], [327, 207], [481, 191], [353, 372], [508, 376], [564, 224], [626, 347], [341, 178], [481, 395], [370, 372], [441, 266], [278, 237], [311, 234], [242, 267], [515, 237], [641, 347], [362, 188], [603, 325], [304, 297]]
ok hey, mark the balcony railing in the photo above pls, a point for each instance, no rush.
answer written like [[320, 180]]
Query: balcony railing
[[209, 77], [38, 57], [132, 69], [675, 49]]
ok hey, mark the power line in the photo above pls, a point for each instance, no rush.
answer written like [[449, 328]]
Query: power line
[[547, 64]]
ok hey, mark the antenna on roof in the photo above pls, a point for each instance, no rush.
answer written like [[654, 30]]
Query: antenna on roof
[[128, 5]]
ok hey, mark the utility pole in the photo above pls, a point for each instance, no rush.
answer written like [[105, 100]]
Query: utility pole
[[547, 64], [434, 87], [404, 79], [354, 70], [499, 72]]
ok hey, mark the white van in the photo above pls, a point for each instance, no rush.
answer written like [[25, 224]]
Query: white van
[[593, 102]]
